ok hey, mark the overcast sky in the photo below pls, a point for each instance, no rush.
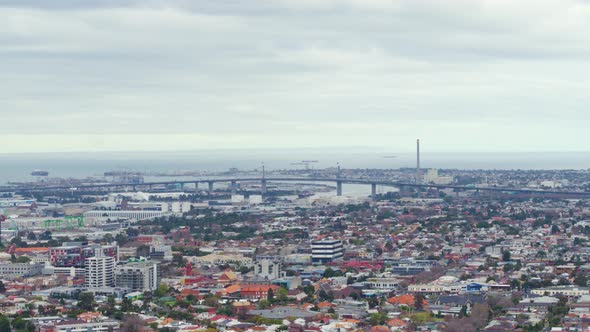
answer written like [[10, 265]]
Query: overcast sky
[[493, 75]]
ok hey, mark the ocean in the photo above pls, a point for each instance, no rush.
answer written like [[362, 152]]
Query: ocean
[[17, 167]]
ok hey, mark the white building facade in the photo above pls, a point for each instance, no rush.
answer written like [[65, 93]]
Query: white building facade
[[100, 271], [327, 250]]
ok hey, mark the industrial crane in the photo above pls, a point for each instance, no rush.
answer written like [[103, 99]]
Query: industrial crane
[[305, 163]]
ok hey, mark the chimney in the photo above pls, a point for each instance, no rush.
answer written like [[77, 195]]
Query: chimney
[[418, 175]]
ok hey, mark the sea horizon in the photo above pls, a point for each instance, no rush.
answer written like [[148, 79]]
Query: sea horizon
[[17, 167]]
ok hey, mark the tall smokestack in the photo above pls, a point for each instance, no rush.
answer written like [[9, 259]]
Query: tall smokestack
[[418, 175]]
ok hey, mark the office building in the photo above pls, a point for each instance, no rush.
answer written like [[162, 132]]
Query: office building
[[21, 269], [137, 276], [327, 250]]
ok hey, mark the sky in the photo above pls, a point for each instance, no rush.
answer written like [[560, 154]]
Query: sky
[[150, 75]]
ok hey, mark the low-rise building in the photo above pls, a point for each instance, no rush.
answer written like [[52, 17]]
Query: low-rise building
[[388, 284], [93, 326], [21, 269], [568, 290]]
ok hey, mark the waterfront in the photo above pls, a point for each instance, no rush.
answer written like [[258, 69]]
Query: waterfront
[[17, 167]]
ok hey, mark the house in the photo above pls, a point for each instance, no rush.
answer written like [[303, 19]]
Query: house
[[406, 299], [227, 277], [257, 291], [241, 308], [231, 291], [453, 304], [325, 306], [397, 324]]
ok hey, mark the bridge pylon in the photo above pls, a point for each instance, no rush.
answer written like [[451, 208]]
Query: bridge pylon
[[263, 186], [233, 187]]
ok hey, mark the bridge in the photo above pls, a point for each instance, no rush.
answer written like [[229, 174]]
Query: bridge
[[264, 180]]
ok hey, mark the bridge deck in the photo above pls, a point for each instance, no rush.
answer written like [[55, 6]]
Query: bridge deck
[[294, 179]]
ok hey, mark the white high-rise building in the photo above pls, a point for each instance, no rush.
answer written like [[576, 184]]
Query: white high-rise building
[[268, 267], [100, 271], [327, 250]]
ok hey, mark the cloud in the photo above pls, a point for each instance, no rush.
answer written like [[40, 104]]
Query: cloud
[[466, 75]]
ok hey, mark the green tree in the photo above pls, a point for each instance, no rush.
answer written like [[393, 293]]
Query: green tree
[[419, 302], [282, 295], [323, 295], [161, 290], [108, 238], [131, 323], [328, 273], [378, 318], [23, 259], [18, 242], [121, 239], [178, 259], [82, 238], [126, 305], [463, 311], [4, 324], [263, 304], [29, 327], [18, 323], [506, 256], [86, 301], [132, 232], [309, 290], [581, 280], [45, 235]]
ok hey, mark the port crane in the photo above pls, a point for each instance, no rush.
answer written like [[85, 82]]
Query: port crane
[[305, 163]]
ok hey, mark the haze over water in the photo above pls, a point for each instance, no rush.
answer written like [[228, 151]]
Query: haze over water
[[17, 167]]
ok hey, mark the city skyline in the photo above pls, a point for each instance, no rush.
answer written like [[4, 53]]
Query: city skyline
[[176, 75], [294, 165]]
